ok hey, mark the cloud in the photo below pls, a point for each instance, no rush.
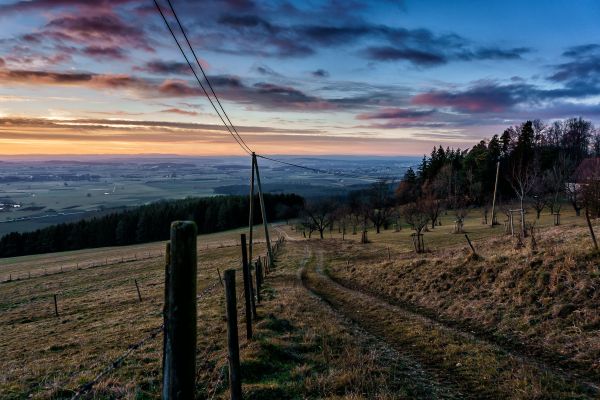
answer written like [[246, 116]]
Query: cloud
[[101, 53], [100, 29], [482, 97], [396, 113], [179, 111], [320, 73], [434, 54], [581, 50], [263, 95], [418, 57], [44, 5], [581, 74], [267, 71], [160, 67]]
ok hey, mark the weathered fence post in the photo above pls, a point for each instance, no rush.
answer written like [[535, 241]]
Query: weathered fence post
[[233, 346], [179, 352], [55, 305], [470, 244], [258, 280], [247, 293], [220, 280], [591, 228], [138, 290]]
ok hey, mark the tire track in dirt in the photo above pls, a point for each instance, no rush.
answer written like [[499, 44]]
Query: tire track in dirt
[[473, 365], [423, 384]]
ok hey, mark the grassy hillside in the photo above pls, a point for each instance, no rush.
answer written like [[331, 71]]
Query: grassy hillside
[[339, 319]]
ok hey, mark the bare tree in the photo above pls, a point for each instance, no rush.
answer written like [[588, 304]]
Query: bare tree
[[417, 217], [319, 215], [522, 179], [555, 181], [381, 203]]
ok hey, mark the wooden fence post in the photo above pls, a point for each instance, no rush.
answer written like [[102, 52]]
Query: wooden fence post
[[470, 244], [233, 346], [592, 234], [179, 352], [220, 280], [247, 293], [138, 290], [55, 305], [258, 280]]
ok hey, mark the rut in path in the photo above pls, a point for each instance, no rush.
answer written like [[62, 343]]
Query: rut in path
[[473, 366]]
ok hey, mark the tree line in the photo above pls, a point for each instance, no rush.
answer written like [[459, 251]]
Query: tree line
[[148, 223], [539, 166]]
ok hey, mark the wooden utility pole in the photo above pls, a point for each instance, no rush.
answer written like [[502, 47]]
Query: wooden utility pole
[[233, 346], [179, 369], [262, 210], [247, 292], [251, 217], [494, 198]]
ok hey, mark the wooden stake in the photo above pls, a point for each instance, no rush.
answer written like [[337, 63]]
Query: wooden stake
[[589, 223], [220, 280], [179, 369], [262, 210], [55, 305], [233, 346], [389, 255], [138, 290], [258, 281], [470, 244], [247, 293]]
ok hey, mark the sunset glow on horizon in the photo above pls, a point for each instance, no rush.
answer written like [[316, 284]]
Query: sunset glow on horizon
[[296, 77]]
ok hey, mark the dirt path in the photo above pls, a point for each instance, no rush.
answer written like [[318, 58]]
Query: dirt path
[[462, 361]]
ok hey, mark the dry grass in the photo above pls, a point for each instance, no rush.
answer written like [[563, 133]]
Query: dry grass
[[477, 368], [545, 302], [100, 316]]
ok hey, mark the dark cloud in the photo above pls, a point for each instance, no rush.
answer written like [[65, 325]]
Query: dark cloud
[[320, 73], [418, 57], [267, 71], [99, 29], [495, 53], [433, 53], [261, 94], [98, 52], [581, 74], [480, 98], [581, 50], [396, 113], [165, 67], [44, 5]]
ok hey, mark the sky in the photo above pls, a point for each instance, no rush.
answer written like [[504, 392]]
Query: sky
[[295, 77]]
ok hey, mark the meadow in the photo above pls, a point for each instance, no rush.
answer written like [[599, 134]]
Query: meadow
[[339, 319]]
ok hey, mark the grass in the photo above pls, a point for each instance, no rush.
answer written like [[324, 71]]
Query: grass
[[100, 316], [381, 329]]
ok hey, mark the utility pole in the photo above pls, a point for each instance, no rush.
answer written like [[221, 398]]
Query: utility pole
[[251, 217], [494, 198], [262, 210]]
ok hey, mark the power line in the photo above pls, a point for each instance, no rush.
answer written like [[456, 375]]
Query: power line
[[205, 76], [321, 171], [245, 148]]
